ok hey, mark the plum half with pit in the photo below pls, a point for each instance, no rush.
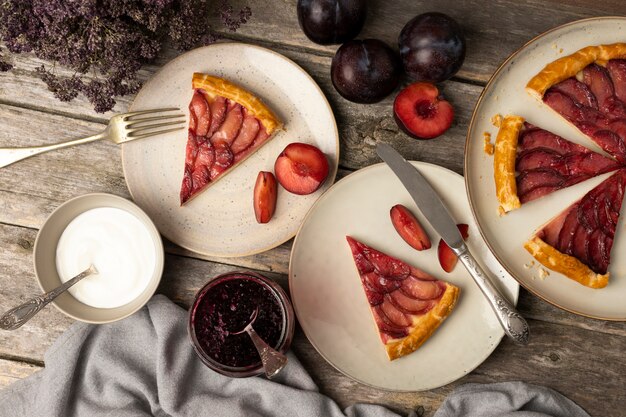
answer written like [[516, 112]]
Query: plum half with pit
[[365, 71], [422, 112], [432, 47], [328, 22]]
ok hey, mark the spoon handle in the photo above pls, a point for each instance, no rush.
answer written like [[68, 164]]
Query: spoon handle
[[17, 316], [273, 360]]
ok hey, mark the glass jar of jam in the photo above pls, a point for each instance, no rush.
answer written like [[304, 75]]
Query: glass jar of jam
[[221, 310]]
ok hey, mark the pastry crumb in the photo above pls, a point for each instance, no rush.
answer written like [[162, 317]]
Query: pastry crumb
[[501, 211], [496, 120], [561, 50], [487, 145], [543, 273], [529, 265]]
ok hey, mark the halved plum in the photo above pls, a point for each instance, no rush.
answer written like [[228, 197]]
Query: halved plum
[[421, 112], [301, 168]]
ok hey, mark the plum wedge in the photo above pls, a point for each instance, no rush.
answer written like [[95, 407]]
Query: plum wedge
[[409, 228], [407, 304], [227, 124]]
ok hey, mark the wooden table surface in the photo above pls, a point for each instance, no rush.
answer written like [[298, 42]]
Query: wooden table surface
[[580, 357]]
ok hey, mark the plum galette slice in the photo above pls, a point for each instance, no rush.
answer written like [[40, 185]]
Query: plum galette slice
[[530, 162], [227, 124], [407, 304], [588, 89], [577, 243]]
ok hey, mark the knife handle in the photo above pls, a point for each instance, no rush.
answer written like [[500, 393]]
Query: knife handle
[[515, 326]]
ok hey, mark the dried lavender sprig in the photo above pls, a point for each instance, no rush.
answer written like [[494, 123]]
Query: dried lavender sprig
[[111, 39]]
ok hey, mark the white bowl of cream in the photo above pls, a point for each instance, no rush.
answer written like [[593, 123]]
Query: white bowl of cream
[[115, 236]]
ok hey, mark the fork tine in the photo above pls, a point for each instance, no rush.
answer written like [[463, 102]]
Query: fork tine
[[134, 128], [139, 130], [136, 113], [159, 132], [133, 122]]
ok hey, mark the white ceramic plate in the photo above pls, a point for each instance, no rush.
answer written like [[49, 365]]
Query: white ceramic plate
[[220, 221], [330, 303], [506, 235]]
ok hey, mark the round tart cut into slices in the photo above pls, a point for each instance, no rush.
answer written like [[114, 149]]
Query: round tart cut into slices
[[588, 89], [407, 304], [227, 124], [577, 243], [530, 162]]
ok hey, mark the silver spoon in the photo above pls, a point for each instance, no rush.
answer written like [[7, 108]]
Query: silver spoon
[[17, 316], [273, 361]]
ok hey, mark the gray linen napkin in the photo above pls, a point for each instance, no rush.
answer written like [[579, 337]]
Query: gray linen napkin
[[145, 366], [507, 399]]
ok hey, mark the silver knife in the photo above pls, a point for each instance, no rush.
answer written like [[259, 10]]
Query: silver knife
[[437, 214]]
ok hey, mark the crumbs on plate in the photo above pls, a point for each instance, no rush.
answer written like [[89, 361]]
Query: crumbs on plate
[[487, 145], [496, 120]]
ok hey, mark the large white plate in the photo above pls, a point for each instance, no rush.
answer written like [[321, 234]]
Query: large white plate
[[221, 222], [330, 303], [506, 235]]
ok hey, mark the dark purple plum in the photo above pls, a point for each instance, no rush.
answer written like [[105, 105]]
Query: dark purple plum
[[331, 21], [365, 71], [432, 47]]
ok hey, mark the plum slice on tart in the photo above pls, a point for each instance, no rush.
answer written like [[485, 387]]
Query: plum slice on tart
[[530, 162], [407, 304], [588, 89], [227, 124], [577, 243]]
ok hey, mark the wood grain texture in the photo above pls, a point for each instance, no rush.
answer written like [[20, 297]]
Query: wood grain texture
[[361, 126], [493, 29], [559, 351], [582, 358], [11, 371]]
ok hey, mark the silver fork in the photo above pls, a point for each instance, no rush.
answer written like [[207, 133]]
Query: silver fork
[[121, 128]]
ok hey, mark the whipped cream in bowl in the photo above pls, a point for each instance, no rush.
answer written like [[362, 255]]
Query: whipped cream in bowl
[[115, 236]]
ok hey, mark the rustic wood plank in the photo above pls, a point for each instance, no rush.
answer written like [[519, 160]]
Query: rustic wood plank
[[559, 357], [494, 29], [360, 126], [11, 371], [182, 277], [32, 189], [559, 353]]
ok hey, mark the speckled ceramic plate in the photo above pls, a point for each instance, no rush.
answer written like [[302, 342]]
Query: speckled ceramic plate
[[220, 221], [330, 303], [506, 235]]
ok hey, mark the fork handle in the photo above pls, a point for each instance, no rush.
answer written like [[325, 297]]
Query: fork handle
[[11, 155]]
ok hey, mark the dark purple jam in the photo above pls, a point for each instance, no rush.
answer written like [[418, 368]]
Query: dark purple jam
[[226, 308]]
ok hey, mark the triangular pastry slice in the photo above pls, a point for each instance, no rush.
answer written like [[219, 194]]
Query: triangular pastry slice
[[407, 304], [577, 243], [530, 162], [588, 89], [227, 124]]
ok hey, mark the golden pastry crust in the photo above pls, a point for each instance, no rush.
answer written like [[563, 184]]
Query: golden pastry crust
[[215, 86], [565, 264], [569, 66], [504, 163], [425, 325]]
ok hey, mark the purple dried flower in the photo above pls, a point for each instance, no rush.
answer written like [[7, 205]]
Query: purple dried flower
[[105, 41]]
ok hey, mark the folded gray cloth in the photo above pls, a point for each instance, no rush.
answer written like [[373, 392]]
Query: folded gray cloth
[[145, 366], [507, 399]]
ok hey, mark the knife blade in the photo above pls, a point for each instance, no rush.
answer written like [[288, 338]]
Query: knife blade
[[435, 211]]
